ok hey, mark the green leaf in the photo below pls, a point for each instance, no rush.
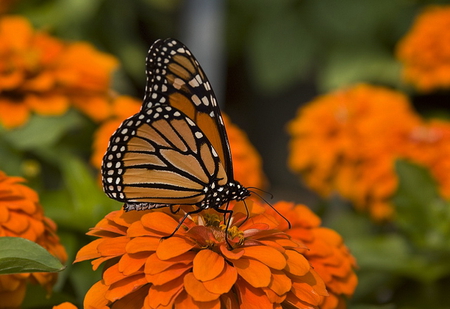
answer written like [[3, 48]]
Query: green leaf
[[81, 203], [41, 131], [19, 255]]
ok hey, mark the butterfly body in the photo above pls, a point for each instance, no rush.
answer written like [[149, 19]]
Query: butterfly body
[[175, 151]]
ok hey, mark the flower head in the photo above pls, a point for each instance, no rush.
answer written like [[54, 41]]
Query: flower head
[[346, 141], [195, 268], [325, 250], [41, 74], [21, 215], [425, 50]]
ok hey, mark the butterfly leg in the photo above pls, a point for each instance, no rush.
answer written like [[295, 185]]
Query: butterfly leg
[[181, 222], [225, 212]]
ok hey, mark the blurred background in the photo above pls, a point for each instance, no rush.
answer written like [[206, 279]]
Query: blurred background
[[265, 59]]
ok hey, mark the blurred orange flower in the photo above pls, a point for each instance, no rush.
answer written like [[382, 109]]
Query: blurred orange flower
[[21, 215], [41, 74], [65, 305], [325, 251], [195, 268], [425, 50], [345, 141]]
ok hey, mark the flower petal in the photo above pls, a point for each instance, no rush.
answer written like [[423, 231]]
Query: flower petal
[[254, 272], [113, 246], [185, 301], [168, 274], [154, 265], [131, 263], [232, 255], [197, 290], [124, 287], [207, 265], [251, 297], [297, 264], [142, 244], [159, 221], [89, 251], [173, 246], [267, 255], [223, 282], [95, 297], [163, 295], [280, 283]]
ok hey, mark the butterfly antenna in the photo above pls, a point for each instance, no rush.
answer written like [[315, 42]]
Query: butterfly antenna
[[266, 192], [271, 206]]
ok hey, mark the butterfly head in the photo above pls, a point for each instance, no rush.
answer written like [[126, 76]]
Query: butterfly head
[[217, 195]]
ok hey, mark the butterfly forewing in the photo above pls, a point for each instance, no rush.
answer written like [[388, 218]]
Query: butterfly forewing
[[175, 77]]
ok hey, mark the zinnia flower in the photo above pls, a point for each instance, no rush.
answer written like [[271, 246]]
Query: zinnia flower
[[41, 74], [195, 268], [21, 215], [425, 50], [347, 142], [325, 251]]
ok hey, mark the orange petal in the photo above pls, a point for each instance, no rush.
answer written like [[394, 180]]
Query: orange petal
[[162, 295], [53, 104], [173, 246], [131, 263], [297, 264], [223, 282], [207, 265], [13, 114], [113, 246], [267, 255], [197, 290], [89, 251], [251, 297], [159, 221], [143, 244], [124, 287], [254, 272], [154, 265], [185, 301], [112, 275], [280, 283], [232, 255], [274, 297], [167, 275], [95, 297]]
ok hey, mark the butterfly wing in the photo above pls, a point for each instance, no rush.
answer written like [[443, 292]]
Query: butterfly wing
[[175, 77], [160, 157]]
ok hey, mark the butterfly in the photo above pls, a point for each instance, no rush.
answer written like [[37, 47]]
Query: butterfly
[[175, 150]]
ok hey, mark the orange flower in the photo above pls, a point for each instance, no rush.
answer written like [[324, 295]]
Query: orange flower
[[41, 74], [429, 146], [347, 141], [247, 163], [194, 268], [425, 50], [21, 215], [122, 108], [326, 252]]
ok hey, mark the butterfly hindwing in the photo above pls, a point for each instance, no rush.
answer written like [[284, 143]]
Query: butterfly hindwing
[[175, 77], [160, 157]]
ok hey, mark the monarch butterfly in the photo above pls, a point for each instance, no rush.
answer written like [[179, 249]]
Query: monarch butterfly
[[175, 150]]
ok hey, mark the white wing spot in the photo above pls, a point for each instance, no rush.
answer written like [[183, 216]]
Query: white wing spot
[[196, 100], [198, 134]]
